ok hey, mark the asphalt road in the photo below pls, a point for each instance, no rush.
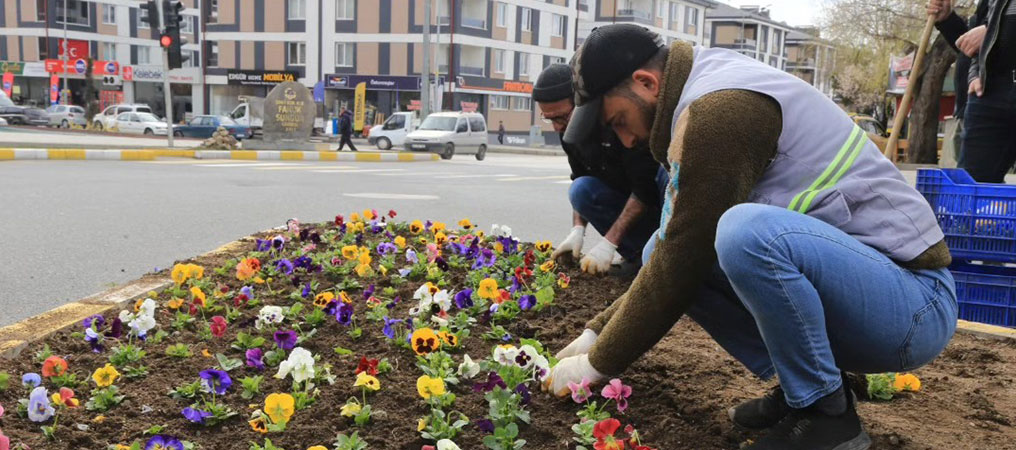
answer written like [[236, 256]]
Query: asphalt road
[[74, 228]]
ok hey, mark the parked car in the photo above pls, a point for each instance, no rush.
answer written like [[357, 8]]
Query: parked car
[[204, 126], [108, 117], [64, 116], [21, 115], [3, 122], [140, 123], [393, 132], [448, 133]]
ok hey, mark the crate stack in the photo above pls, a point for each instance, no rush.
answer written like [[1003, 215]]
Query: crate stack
[[979, 222]]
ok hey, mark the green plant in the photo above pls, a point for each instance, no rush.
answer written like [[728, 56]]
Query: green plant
[[504, 438], [251, 386], [246, 341], [41, 355], [227, 364], [880, 386], [186, 391], [126, 354], [5, 380], [104, 399], [134, 372], [268, 446], [351, 442], [67, 380], [179, 351]]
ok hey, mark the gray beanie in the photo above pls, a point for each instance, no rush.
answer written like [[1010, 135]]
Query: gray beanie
[[554, 84]]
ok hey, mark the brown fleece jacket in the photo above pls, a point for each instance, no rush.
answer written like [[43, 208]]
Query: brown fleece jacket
[[723, 142]]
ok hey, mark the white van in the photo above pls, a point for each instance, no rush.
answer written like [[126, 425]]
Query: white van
[[393, 132], [448, 133]]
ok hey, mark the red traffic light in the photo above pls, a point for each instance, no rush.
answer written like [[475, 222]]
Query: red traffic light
[[166, 41]]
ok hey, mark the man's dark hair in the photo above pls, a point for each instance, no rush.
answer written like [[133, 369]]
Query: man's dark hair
[[656, 64]]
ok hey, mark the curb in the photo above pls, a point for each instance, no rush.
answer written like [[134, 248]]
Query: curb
[[525, 151], [985, 330], [16, 337], [8, 154]]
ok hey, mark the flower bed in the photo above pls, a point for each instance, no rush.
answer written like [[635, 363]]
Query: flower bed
[[357, 368]]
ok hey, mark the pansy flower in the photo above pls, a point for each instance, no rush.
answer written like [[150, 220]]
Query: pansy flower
[[464, 299], [344, 313], [416, 227], [255, 358], [604, 431], [424, 341], [105, 376], [449, 339], [215, 381], [195, 415], [548, 266], [94, 340], [31, 380], [218, 326], [388, 329], [285, 266], [465, 224], [367, 365], [488, 289], [39, 407], [580, 392], [619, 392], [163, 442], [563, 280], [493, 380], [323, 299], [54, 366], [527, 302], [280, 407], [65, 397], [485, 425], [285, 340], [367, 381], [430, 386]]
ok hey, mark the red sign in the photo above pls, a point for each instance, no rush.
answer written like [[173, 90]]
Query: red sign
[[54, 89], [105, 67], [54, 66], [8, 83], [518, 86], [128, 73], [78, 67], [414, 105], [469, 106], [75, 49]]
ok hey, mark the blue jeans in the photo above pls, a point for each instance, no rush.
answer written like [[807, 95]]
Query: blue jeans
[[600, 205], [989, 136], [795, 297]]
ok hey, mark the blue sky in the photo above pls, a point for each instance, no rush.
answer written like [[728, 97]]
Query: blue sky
[[793, 12]]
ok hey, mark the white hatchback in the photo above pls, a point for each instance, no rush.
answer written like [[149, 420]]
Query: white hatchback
[[140, 123], [448, 133]]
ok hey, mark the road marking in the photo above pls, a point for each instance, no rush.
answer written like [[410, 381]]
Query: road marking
[[383, 196], [304, 167], [188, 161], [355, 170], [563, 182], [483, 176], [552, 177], [255, 164], [418, 174]]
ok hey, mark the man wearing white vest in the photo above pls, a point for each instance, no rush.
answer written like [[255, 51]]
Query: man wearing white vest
[[785, 234]]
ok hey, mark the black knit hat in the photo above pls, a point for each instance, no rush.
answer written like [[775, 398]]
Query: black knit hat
[[554, 84], [608, 56]]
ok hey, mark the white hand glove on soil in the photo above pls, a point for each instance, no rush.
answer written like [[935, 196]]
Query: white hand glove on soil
[[599, 258], [571, 370], [572, 243], [580, 345]]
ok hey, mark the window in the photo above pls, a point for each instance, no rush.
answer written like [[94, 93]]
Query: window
[[108, 14], [523, 64], [345, 9], [522, 104], [557, 25], [77, 12], [213, 54], [690, 20], [476, 123], [499, 60], [527, 19], [144, 55], [142, 16], [556, 60], [213, 6], [661, 8], [462, 126], [43, 48], [499, 102], [502, 14], [194, 60], [187, 25], [297, 53], [109, 51], [776, 43], [672, 22], [40, 10], [297, 10], [344, 54]]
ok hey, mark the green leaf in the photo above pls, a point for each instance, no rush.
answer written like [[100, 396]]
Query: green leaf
[[343, 351], [155, 429], [227, 364]]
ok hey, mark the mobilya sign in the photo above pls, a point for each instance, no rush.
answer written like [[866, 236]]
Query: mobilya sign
[[13, 67], [373, 82], [258, 77], [483, 84]]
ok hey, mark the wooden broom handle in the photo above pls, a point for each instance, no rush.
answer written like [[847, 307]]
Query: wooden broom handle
[[908, 95]]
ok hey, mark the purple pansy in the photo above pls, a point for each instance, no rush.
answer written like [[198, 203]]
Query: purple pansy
[[195, 415], [93, 339], [388, 331], [306, 290], [344, 313], [493, 380], [215, 381], [255, 358], [411, 256], [526, 302], [523, 391], [464, 299], [285, 266], [285, 340], [263, 245], [485, 425], [161, 442], [96, 320]]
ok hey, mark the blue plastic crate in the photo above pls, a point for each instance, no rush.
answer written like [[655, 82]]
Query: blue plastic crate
[[978, 219], [986, 294]]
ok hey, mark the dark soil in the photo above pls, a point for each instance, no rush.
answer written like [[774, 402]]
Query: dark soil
[[682, 389]]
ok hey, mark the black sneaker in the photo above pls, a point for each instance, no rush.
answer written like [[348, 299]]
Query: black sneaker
[[811, 429], [760, 413]]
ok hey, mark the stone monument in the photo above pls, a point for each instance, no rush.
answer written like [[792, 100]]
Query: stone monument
[[288, 120]]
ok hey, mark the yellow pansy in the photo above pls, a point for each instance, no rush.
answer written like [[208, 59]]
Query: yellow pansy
[[400, 241], [259, 280], [440, 238], [367, 381], [357, 227], [280, 407], [175, 303], [421, 424], [365, 258], [368, 214], [259, 425], [362, 270], [548, 266], [383, 270], [323, 299], [449, 339], [198, 295], [465, 224], [907, 382], [354, 217], [430, 386], [499, 248], [543, 246], [416, 227], [345, 297], [424, 341], [349, 252], [105, 376], [317, 447], [350, 409], [438, 227], [488, 289]]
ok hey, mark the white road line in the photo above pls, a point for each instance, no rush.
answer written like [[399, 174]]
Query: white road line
[[552, 177], [483, 176], [193, 162], [420, 174], [304, 167], [383, 196], [254, 164], [563, 182], [355, 170]]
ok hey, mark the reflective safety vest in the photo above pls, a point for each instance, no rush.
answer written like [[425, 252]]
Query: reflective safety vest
[[825, 166]]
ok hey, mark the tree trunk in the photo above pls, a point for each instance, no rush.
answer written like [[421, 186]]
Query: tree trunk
[[923, 139]]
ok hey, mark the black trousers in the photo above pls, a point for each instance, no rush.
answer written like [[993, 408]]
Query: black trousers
[[989, 135], [346, 140]]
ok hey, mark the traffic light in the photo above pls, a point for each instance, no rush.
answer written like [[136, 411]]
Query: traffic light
[[152, 17], [170, 39]]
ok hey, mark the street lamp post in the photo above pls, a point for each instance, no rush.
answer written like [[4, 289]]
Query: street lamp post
[[63, 93]]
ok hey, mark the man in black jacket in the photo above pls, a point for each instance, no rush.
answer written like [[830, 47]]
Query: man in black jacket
[[346, 130], [989, 141], [618, 191]]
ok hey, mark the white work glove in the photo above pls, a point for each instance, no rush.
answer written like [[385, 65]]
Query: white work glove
[[570, 370], [580, 345], [572, 243], [598, 259]]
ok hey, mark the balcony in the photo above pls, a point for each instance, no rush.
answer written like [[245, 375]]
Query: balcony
[[472, 60], [474, 14], [474, 23], [636, 15], [472, 71]]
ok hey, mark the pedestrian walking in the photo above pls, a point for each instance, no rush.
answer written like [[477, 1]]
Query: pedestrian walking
[[500, 132], [346, 130], [798, 247], [989, 140]]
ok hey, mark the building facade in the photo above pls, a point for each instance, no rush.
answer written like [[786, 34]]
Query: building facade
[[811, 58], [107, 32], [672, 19], [749, 31]]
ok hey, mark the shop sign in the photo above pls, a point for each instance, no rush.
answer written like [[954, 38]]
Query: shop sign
[[486, 84], [469, 107], [373, 82], [259, 77], [128, 73], [35, 69], [414, 105], [75, 49], [80, 66], [12, 67]]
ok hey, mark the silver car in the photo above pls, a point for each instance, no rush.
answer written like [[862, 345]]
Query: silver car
[[64, 116]]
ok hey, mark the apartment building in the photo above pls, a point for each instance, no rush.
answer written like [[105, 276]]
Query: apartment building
[[750, 31], [486, 54], [811, 58], [672, 19], [111, 34]]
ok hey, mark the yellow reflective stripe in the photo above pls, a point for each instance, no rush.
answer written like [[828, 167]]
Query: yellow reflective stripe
[[850, 161], [844, 150]]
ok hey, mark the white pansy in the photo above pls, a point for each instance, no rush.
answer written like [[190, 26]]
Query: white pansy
[[542, 367], [142, 324], [148, 307], [300, 365], [443, 300], [269, 315], [505, 354], [126, 316], [531, 353], [447, 444], [468, 368]]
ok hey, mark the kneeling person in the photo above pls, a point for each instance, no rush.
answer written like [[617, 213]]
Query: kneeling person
[[617, 190]]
